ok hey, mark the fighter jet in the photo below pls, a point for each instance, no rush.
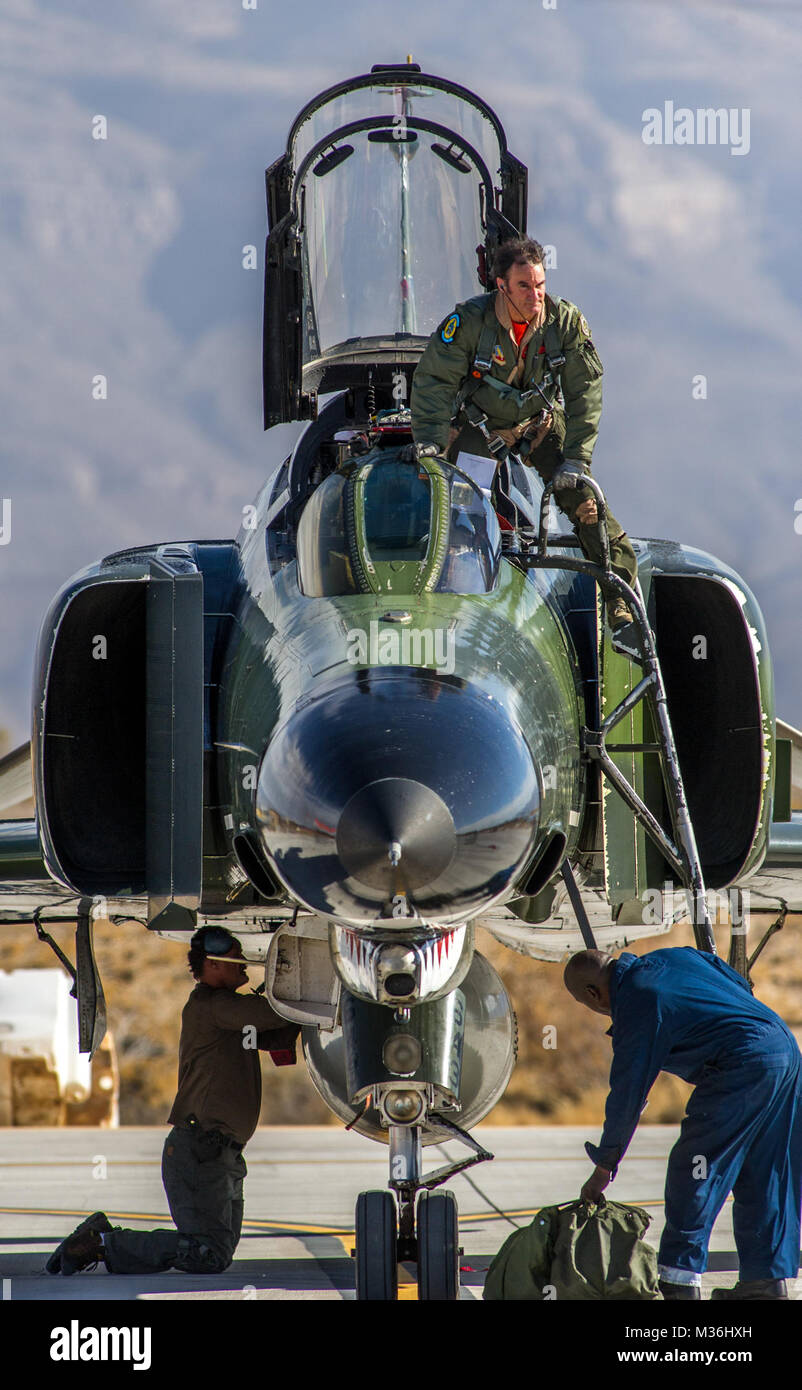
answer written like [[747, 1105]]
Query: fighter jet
[[382, 716]]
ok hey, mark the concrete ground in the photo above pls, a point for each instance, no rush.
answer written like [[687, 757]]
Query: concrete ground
[[299, 1202]]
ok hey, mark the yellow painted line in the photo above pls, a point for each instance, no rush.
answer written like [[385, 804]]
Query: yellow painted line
[[295, 1162], [407, 1283], [345, 1237], [156, 1162], [66, 1211], [304, 1227], [301, 1227], [533, 1211], [85, 1163]]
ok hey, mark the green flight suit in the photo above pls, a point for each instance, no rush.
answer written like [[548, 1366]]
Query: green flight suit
[[446, 365]]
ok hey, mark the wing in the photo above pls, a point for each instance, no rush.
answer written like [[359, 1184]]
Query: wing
[[16, 777], [24, 882], [560, 936]]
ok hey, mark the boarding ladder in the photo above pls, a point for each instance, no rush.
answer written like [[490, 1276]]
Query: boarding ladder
[[679, 848]]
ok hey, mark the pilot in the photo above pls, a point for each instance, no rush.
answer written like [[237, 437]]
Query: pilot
[[482, 358], [684, 1011], [214, 1115]]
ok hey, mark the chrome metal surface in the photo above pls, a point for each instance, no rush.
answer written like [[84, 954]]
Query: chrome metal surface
[[487, 1060]]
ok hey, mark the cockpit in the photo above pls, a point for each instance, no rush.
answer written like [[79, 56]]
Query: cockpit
[[386, 526], [384, 212]]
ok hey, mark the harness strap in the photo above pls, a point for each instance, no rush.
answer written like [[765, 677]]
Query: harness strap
[[483, 361], [554, 353], [481, 373]]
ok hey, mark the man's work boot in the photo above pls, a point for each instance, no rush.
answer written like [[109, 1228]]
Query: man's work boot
[[81, 1250], [624, 633], [618, 612], [754, 1290], [688, 1292]]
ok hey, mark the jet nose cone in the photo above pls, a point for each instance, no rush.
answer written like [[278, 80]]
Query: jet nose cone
[[396, 832], [404, 792]]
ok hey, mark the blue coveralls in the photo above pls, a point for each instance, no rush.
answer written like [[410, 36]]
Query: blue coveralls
[[686, 1012]]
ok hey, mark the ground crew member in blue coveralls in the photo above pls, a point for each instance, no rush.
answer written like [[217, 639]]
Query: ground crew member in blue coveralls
[[215, 1112], [686, 1012], [478, 376]]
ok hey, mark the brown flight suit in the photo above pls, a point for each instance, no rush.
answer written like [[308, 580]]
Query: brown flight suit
[[214, 1115]]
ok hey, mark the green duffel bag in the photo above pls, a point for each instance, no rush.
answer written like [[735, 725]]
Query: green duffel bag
[[577, 1251]]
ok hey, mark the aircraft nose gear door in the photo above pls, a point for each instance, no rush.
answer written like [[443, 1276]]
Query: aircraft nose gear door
[[87, 988]]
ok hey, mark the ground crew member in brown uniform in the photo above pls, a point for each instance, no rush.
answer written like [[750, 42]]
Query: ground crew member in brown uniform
[[214, 1115], [484, 359]]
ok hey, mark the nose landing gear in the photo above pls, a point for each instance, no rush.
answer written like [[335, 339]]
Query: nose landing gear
[[438, 1247], [376, 1247], [411, 1223]]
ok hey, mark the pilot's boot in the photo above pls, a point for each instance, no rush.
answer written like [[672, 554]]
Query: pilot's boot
[[754, 1290], [624, 633], [618, 613], [81, 1250]]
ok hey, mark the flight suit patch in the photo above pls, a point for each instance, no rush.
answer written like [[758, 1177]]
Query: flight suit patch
[[583, 324], [449, 328], [498, 355]]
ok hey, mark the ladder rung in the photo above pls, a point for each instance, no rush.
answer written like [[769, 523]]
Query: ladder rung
[[634, 747]]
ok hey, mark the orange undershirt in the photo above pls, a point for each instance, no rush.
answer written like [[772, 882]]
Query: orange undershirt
[[518, 329]]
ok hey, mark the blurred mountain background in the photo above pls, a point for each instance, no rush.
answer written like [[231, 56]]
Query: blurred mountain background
[[123, 257]]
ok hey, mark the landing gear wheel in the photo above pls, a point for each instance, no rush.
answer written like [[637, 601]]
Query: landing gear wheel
[[376, 1247], [438, 1247]]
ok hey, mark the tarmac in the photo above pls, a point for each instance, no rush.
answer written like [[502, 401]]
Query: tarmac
[[300, 1194]]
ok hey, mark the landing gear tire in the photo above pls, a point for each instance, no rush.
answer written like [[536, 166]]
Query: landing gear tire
[[438, 1247], [376, 1247]]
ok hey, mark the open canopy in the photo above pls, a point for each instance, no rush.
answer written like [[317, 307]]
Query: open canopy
[[394, 189]]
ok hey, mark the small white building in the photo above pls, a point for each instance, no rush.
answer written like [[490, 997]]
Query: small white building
[[44, 1080]]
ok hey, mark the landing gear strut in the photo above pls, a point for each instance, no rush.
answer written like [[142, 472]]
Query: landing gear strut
[[423, 1229]]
